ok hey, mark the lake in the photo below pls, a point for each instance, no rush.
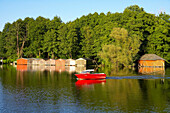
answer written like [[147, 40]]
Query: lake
[[51, 89]]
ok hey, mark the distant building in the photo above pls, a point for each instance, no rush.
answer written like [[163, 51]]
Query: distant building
[[50, 62], [70, 62], [22, 61], [33, 61], [60, 62], [151, 60], [41, 62], [83, 62]]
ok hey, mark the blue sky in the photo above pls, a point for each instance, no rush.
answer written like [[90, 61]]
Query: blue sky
[[69, 10]]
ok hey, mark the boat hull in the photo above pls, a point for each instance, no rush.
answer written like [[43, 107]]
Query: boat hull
[[91, 76]]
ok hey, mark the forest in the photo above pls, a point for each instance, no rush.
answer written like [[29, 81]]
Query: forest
[[118, 39]]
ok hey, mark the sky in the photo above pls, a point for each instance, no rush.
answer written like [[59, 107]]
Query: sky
[[69, 10]]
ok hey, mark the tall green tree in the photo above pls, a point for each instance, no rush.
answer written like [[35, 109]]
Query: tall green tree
[[2, 51], [123, 50], [50, 43], [37, 30], [87, 42], [9, 40], [159, 41], [68, 40]]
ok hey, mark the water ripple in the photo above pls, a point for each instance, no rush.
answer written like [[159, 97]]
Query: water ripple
[[138, 77]]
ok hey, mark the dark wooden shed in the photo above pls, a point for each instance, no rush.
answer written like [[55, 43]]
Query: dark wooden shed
[[22, 61], [151, 60]]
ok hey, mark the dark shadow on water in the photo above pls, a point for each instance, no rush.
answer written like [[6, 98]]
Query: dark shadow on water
[[138, 77]]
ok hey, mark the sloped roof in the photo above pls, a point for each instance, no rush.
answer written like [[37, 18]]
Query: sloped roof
[[23, 58], [84, 59], [151, 57]]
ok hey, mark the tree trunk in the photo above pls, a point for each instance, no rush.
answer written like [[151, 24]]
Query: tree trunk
[[23, 42], [70, 55], [21, 50], [39, 53]]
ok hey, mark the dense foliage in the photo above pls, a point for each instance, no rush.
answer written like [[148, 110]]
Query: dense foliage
[[119, 38]]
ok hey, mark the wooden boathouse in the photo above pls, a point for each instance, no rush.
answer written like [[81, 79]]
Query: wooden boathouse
[[60, 62], [70, 62], [151, 60], [22, 61], [41, 62], [50, 62], [33, 61], [83, 62]]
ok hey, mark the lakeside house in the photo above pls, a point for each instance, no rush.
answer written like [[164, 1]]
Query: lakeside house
[[83, 62], [22, 61], [151, 60], [70, 62], [41, 62], [60, 62], [50, 62], [33, 61]]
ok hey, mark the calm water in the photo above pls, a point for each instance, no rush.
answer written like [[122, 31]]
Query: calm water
[[48, 89]]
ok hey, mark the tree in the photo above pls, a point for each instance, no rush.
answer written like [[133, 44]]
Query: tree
[[2, 51], [87, 42], [50, 43], [135, 8], [68, 40], [9, 41], [159, 40], [123, 50], [36, 33]]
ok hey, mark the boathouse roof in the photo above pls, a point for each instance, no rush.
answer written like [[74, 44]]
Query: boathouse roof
[[151, 57]]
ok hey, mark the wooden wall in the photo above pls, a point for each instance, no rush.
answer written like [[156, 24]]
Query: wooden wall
[[151, 63], [22, 61], [60, 62]]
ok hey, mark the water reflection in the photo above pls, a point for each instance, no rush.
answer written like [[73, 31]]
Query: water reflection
[[60, 68], [70, 69], [22, 67], [45, 91], [128, 95], [152, 70], [89, 83]]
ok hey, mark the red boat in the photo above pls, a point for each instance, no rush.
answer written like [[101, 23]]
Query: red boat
[[89, 74]]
